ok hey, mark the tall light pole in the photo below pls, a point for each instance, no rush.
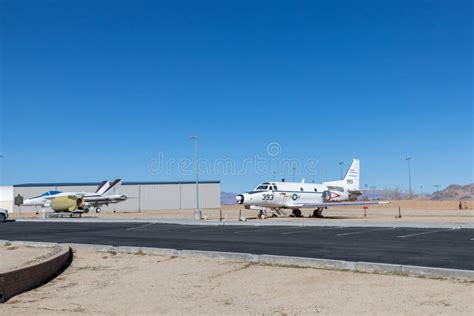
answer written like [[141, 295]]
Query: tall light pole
[[340, 164], [409, 174], [1, 174], [197, 211]]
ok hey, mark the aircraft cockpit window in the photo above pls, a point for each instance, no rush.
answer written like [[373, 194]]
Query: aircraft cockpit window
[[275, 187], [262, 187], [48, 193]]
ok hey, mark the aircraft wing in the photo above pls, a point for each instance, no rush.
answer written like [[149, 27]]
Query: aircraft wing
[[356, 203], [105, 199]]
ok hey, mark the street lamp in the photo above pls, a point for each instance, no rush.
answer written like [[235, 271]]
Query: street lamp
[[1, 156], [340, 164], [197, 211], [409, 174]]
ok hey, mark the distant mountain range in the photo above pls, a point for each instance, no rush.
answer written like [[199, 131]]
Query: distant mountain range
[[452, 192], [455, 192]]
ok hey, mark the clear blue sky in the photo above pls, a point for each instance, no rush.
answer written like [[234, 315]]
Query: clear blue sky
[[101, 89]]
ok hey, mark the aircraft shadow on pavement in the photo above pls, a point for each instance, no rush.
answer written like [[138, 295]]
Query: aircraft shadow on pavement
[[9, 221], [339, 217]]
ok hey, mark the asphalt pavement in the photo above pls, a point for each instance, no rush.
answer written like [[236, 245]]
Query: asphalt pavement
[[438, 247]]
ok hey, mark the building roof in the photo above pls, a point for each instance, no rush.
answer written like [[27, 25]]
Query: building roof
[[67, 184]]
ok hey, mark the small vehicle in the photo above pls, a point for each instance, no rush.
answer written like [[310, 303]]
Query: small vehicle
[[3, 215]]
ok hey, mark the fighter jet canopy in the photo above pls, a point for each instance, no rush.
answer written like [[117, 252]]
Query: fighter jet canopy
[[50, 193]]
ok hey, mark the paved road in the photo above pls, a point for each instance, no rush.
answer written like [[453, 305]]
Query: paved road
[[446, 248]]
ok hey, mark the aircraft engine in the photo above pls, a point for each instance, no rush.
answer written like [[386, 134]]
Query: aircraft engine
[[67, 203], [335, 196]]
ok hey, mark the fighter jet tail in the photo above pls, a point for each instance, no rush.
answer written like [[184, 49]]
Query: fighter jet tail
[[112, 184], [105, 186], [102, 187]]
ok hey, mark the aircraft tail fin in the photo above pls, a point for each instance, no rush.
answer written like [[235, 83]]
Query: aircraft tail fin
[[112, 184], [102, 187], [351, 179]]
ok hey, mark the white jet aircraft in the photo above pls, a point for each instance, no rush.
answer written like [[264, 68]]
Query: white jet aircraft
[[295, 196], [83, 201]]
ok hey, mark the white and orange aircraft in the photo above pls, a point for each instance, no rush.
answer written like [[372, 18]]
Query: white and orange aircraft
[[278, 196]]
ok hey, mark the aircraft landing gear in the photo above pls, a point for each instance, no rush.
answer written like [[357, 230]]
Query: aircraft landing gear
[[318, 212], [261, 214], [86, 210], [297, 213], [98, 210]]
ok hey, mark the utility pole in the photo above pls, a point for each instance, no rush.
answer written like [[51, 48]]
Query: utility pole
[[437, 186], [340, 165], [409, 174], [1, 173], [197, 211]]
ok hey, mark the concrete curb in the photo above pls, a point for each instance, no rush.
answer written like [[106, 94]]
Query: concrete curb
[[296, 223], [19, 280], [283, 261]]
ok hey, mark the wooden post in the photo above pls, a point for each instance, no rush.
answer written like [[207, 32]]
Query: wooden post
[[220, 215], [399, 212], [240, 214]]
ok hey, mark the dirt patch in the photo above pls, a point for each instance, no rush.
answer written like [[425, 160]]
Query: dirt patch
[[129, 284], [13, 256]]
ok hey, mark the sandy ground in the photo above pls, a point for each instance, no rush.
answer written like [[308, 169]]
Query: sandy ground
[[411, 210], [13, 257], [136, 284]]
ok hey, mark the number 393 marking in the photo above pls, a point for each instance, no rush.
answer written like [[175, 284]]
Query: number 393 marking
[[268, 197]]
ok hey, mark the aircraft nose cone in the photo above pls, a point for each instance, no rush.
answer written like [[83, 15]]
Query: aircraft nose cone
[[240, 199]]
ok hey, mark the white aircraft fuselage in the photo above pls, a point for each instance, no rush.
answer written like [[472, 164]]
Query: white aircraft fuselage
[[299, 195], [290, 195]]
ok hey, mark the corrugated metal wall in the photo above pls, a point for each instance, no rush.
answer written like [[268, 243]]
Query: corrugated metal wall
[[207, 196], [141, 196], [159, 197], [6, 197]]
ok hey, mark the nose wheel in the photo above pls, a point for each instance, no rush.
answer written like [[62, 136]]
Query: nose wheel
[[297, 213], [318, 212], [98, 210]]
